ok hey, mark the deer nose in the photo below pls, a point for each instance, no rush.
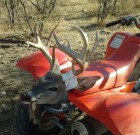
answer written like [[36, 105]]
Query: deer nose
[[27, 97]]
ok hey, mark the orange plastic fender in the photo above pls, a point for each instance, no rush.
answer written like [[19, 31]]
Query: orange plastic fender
[[124, 110], [38, 65], [116, 110]]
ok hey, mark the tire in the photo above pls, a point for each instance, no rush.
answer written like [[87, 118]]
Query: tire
[[89, 126], [23, 126], [82, 128]]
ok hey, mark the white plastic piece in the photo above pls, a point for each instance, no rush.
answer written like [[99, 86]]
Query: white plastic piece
[[65, 65], [117, 41], [70, 80]]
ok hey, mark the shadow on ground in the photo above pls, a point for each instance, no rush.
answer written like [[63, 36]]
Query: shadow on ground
[[13, 81]]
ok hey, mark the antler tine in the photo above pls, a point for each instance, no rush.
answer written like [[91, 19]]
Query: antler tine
[[39, 45], [55, 64], [50, 36], [79, 57], [85, 39], [93, 51]]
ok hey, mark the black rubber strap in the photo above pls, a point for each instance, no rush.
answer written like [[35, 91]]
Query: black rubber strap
[[113, 23]]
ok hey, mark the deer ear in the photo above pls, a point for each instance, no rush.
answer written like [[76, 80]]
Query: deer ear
[[86, 82]]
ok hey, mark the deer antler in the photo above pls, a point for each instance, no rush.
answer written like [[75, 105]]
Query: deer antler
[[45, 48], [79, 57], [93, 51]]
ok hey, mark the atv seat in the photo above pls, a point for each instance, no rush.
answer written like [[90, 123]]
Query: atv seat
[[115, 70]]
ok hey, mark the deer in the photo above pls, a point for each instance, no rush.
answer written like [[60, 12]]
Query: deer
[[51, 88]]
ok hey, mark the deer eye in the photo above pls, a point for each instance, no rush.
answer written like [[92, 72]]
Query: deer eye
[[53, 89]]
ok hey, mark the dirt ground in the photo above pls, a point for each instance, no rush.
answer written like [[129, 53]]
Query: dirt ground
[[14, 81]]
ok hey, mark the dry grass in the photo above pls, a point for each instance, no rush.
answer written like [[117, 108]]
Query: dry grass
[[75, 12]]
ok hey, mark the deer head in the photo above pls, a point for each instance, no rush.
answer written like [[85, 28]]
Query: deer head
[[50, 89]]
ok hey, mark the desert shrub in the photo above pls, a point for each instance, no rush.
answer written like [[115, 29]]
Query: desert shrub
[[105, 7], [27, 13], [114, 8]]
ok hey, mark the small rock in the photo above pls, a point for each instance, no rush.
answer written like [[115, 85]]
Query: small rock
[[3, 93]]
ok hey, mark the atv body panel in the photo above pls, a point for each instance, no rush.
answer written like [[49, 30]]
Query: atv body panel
[[119, 111]]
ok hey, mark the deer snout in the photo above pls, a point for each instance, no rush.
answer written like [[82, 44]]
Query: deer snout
[[27, 97]]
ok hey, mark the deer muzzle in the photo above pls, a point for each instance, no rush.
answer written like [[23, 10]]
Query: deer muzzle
[[27, 97]]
